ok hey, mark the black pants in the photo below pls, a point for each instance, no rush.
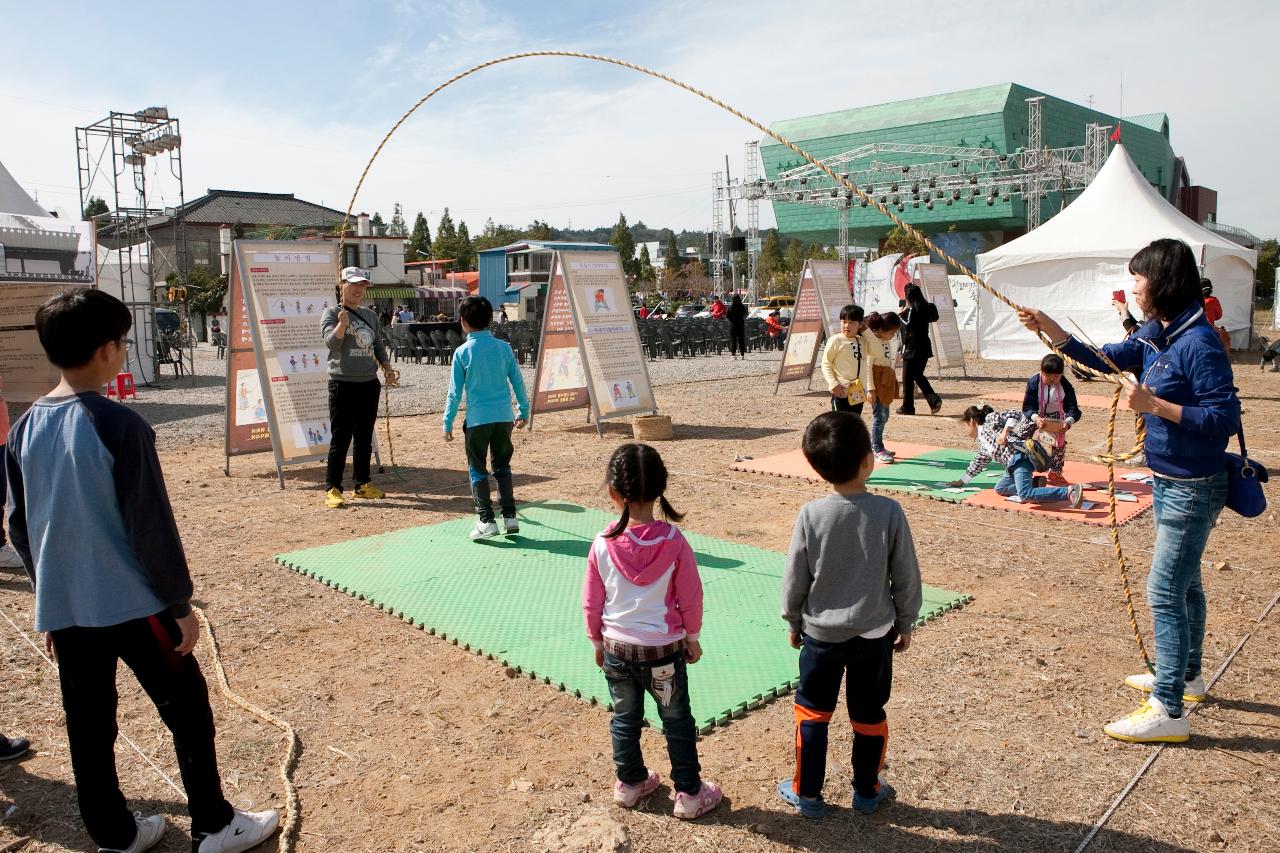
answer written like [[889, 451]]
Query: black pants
[[87, 670], [737, 341], [353, 411], [869, 667], [485, 442], [913, 375], [842, 404]]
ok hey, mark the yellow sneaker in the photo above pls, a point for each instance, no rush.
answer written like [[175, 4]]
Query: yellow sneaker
[[333, 499], [370, 491]]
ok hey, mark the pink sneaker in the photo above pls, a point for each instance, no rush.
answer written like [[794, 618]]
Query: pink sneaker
[[628, 795], [690, 806]]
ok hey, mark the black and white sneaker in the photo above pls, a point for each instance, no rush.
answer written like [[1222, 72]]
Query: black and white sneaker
[[246, 830], [13, 748], [150, 831]]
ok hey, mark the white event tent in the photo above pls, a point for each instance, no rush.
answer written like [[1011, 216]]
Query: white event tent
[[1070, 266]]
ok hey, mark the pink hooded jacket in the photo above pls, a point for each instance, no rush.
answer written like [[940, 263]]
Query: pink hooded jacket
[[642, 587]]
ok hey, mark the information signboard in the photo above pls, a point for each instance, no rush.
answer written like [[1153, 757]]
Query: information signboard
[[805, 333], [947, 345]]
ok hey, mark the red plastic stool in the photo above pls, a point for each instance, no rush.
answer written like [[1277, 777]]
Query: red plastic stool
[[124, 386], [111, 389]]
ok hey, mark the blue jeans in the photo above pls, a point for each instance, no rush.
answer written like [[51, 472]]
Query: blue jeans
[[628, 683], [1185, 512], [879, 417], [1017, 481]]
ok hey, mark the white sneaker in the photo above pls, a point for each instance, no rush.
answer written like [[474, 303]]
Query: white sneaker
[[1150, 724], [9, 558], [1075, 495], [483, 530], [150, 830], [1193, 691], [510, 524], [247, 829]]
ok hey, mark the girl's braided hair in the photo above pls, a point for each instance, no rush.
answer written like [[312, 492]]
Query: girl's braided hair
[[637, 474]]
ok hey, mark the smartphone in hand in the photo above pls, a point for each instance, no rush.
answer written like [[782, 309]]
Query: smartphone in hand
[[1118, 295]]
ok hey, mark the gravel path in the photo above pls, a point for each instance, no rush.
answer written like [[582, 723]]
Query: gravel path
[[185, 415]]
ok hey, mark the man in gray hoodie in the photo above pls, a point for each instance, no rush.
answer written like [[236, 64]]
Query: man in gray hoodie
[[851, 595]]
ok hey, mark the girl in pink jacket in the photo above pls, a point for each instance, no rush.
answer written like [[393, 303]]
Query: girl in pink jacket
[[642, 599]]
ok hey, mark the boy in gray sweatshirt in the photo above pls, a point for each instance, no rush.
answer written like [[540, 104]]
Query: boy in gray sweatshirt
[[851, 595]]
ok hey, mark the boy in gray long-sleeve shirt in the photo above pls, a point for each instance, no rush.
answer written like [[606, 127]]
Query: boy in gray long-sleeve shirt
[[851, 595]]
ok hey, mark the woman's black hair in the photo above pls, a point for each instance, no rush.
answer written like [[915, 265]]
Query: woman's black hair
[[975, 414], [737, 299], [914, 295], [852, 312], [1206, 287], [1173, 279], [637, 474], [878, 322]]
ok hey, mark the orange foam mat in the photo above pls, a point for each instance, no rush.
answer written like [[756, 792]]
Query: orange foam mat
[[1079, 472], [793, 465], [1088, 401]]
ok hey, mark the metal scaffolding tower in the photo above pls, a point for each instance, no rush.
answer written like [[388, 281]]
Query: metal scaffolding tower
[[1032, 162], [112, 156], [751, 175]]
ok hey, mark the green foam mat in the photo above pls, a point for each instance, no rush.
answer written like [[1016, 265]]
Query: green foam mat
[[929, 473], [518, 600]]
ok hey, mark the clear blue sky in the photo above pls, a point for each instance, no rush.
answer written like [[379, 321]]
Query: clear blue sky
[[292, 97]]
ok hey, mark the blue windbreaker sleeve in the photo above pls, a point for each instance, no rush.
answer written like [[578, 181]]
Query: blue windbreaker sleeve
[[517, 385], [457, 379], [1218, 412], [1127, 354]]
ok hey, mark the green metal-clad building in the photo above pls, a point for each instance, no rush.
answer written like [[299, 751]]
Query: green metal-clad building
[[991, 116]]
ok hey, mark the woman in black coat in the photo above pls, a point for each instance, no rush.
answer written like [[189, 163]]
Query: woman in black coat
[[737, 327], [917, 349]]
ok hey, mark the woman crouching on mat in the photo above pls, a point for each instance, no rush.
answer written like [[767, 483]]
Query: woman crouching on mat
[[1188, 401], [1006, 437], [878, 333]]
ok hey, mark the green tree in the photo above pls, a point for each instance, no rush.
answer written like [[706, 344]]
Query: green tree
[[771, 261], [445, 244], [494, 235], [538, 230], [1268, 256], [95, 207], [206, 291], [645, 271], [622, 240], [671, 258], [397, 227], [376, 223], [419, 241], [900, 240], [794, 260], [466, 253]]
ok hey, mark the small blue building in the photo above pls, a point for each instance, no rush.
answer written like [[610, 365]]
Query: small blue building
[[517, 274]]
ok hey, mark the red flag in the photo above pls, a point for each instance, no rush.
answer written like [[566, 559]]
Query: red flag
[[1115, 134], [902, 275]]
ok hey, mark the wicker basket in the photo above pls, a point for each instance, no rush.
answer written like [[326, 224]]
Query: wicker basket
[[651, 428]]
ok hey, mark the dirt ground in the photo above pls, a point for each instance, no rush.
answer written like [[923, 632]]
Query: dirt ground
[[411, 743]]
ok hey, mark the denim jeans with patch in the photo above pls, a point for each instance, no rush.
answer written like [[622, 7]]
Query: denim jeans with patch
[[628, 684], [879, 417], [1185, 512], [1017, 481]]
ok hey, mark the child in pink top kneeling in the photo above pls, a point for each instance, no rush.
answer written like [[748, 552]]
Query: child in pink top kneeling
[[642, 599]]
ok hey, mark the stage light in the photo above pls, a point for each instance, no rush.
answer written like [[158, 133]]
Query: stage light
[[970, 199], [901, 208], [973, 179], [915, 188], [895, 200], [906, 170], [955, 164], [864, 202], [915, 204], [991, 201], [933, 182], [893, 188], [948, 202], [929, 205], [883, 199]]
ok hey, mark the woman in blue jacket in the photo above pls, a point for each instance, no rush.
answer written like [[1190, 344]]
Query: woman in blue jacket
[[1186, 396]]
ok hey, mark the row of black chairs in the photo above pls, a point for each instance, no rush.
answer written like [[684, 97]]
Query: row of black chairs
[[436, 346]]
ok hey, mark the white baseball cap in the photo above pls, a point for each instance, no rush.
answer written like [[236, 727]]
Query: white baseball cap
[[355, 275]]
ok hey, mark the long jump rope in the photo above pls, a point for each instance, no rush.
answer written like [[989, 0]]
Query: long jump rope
[[289, 823]]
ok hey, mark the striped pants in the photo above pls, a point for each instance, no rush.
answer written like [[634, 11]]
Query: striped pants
[[868, 665]]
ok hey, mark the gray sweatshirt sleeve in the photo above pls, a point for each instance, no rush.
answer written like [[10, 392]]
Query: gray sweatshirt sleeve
[[904, 576], [798, 576], [328, 321]]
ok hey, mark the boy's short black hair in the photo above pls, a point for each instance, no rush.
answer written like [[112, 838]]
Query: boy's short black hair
[[476, 311], [1052, 364], [73, 324], [852, 312], [836, 444]]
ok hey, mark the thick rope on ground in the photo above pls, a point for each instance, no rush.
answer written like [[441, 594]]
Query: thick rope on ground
[[1114, 379], [292, 805]]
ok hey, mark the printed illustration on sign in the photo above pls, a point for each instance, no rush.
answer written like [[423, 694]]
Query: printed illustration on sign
[[800, 347], [249, 406], [563, 370]]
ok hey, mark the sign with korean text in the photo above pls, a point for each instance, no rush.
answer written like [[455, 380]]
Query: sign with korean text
[[805, 334]]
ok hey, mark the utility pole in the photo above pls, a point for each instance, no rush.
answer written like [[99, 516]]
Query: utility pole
[[733, 267]]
